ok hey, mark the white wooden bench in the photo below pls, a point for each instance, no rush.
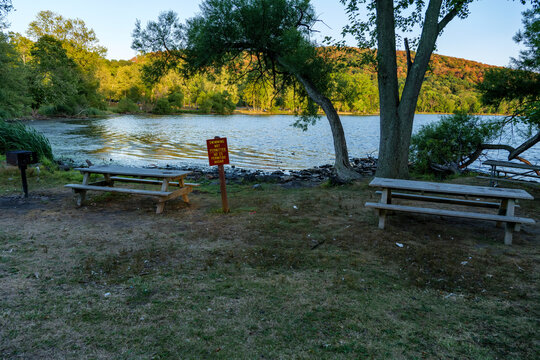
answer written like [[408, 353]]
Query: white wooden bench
[[506, 201], [138, 175]]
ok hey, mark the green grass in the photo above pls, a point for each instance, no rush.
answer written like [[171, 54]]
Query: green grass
[[18, 136], [297, 273]]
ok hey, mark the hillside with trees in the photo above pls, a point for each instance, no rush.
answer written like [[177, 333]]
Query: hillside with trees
[[59, 69]]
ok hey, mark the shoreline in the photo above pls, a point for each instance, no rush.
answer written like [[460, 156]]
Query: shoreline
[[314, 175], [240, 111]]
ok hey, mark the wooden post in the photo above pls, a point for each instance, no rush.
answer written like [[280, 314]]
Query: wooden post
[[224, 202], [218, 154], [81, 194], [24, 181], [510, 227], [386, 198]]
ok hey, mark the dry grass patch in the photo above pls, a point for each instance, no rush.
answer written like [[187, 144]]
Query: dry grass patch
[[290, 273]]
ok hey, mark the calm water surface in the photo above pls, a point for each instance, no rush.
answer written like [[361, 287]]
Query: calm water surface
[[255, 142]]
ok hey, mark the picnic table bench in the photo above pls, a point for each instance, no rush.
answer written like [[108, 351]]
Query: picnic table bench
[[524, 170], [112, 174], [505, 201]]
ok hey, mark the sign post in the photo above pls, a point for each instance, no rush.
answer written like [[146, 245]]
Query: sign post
[[218, 154]]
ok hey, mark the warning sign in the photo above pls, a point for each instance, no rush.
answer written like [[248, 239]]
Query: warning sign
[[218, 153]]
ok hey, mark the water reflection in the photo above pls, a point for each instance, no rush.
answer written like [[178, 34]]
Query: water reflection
[[263, 142]]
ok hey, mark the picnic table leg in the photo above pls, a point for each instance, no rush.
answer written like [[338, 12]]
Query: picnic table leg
[[81, 194], [108, 179], [502, 211], [510, 227], [492, 180], [161, 204], [182, 184], [386, 198]]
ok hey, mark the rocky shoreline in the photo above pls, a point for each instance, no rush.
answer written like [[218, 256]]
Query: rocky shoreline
[[314, 176]]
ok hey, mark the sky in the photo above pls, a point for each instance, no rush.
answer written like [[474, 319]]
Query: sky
[[485, 36]]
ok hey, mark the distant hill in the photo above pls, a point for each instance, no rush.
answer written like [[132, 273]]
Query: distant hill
[[450, 85]]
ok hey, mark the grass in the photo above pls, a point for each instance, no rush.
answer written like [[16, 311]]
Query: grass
[[18, 136], [290, 273]]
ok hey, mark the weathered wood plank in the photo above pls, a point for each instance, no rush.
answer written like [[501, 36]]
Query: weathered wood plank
[[444, 200], [516, 181], [120, 190], [511, 165], [180, 192], [528, 173], [454, 189], [452, 213], [148, 181], [130, 171]]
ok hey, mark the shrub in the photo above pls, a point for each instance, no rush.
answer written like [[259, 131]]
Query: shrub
[[450, 142], [17, 136], [162, 107], [126, 105], [176, 100], [217, 102], [92, 111]]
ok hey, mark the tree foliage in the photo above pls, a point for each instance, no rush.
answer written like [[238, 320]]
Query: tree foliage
[[5, 7], [268, 38], [449, 143], [80, 42], [418, 23], [520, 86], [13, 91]]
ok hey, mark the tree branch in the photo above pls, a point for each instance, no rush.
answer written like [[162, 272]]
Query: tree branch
[[451, 14], [408, 51]]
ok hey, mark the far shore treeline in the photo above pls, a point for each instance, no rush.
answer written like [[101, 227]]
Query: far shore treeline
[[59, 69]]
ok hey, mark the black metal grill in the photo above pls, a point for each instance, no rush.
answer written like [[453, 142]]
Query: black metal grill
[[22, 159]]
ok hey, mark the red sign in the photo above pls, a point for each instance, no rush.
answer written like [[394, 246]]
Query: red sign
[[218, 153]]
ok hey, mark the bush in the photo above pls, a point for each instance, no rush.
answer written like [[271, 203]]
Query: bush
[[449, 142], [176, 100], [162, 107], [126, 105], [17, 136], [217, 102], [92, 111]]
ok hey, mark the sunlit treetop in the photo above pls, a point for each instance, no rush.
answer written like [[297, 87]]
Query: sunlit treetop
[[73, 31]]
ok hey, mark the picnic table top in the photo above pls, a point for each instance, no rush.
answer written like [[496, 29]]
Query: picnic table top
[[511, 164], [132, 171], [453, 189]]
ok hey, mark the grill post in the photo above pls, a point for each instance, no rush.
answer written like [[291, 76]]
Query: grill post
[[24, 181], [22, 158]]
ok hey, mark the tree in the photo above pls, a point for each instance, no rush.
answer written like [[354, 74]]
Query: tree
[[379, 27], [5, 7], [81, 43], [269, 38], [520, 87], [13, 92], [55, 79]]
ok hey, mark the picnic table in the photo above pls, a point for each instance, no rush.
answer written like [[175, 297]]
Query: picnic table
[[505, 201], [503, 174], [114, 174]]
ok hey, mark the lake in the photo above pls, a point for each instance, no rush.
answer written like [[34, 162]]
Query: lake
[[266, 142]]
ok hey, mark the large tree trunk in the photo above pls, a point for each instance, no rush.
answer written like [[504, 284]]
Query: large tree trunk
[[343, 167], [397, 115], [391, 147]]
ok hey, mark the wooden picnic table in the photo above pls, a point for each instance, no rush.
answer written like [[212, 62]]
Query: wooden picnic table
[[523, 170], [113, 174], [505, 201]]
